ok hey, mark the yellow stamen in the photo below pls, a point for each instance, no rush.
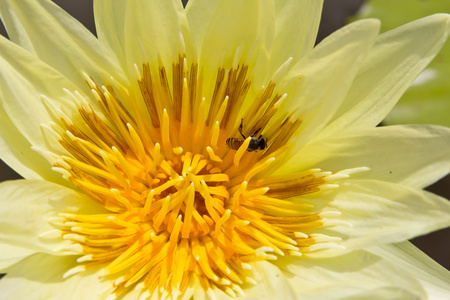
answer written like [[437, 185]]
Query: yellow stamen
[[215, 134], [165, 133], [148, 204], [181, 204], [255, 170], [212, 155], [188, 212], [240, 152]]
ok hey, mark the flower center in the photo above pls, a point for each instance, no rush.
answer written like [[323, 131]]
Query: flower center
[[184, 197]]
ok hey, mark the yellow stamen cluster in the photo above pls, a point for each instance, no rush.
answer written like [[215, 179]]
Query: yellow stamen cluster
[[180, 205]]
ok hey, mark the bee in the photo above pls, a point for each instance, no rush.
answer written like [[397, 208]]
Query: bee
[[255, 143]]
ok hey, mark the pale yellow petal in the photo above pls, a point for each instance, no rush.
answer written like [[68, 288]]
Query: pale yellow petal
[[296, 26], [433, 277], [234, 23], [15, 151], [51, 34], [357, 275], [199, 14], [10, 255], [155, 31], [28, 207], [245, 28], [393, 63], [40, 277], [391, 293], [414, 155], [24, 79], [322, 78], [272, 283], [110, 26], [376, 213]]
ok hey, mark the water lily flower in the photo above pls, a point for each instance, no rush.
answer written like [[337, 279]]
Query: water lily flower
[[212, 152]]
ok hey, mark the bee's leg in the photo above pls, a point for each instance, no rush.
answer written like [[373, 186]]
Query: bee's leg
[[240, 128], [262, 143], [256, 133]]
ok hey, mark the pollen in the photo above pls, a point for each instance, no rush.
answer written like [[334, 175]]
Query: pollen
[[179, 205]]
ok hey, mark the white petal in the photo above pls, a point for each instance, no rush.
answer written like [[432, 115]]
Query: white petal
[[40, 277], [393, 63], [51, 34], [415, 155], [433, 277], [383, 213], [27, 206], [357, 275]]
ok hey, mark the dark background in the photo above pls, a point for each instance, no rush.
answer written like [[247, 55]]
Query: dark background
[[334, 15]]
